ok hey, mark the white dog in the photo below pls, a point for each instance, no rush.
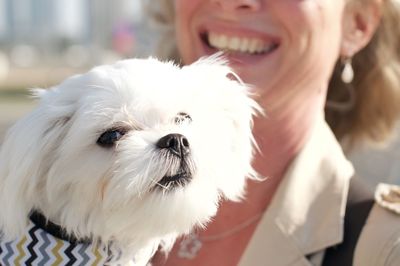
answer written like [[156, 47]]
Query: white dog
[[122, 159]]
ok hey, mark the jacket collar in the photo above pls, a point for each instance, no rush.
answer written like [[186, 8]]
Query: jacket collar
[[307, 211]]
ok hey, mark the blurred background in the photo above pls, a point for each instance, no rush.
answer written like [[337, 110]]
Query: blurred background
[[44, 41]]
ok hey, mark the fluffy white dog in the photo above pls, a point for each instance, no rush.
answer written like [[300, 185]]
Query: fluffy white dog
[[122, 159]]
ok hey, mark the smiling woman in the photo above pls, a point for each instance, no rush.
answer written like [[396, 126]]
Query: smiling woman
[[310, 62], [370, 114]]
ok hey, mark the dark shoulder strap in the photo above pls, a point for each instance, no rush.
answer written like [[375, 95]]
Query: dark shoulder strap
[[359, 203]]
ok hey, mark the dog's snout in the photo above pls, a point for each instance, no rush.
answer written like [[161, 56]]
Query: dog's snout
[[176, 143]]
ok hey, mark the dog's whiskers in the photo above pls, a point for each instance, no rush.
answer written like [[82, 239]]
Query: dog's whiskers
[[95, 86], [160, 166], [161, 185]]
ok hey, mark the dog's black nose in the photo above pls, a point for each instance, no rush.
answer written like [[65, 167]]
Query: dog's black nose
[[176, 143]]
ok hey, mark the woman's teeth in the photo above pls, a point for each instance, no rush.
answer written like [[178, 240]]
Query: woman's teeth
[[239, 44]]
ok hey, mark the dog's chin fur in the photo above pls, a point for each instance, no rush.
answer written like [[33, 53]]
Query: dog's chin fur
[[50, 160]]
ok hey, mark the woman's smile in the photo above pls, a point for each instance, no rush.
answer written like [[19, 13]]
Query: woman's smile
[[240, 46]]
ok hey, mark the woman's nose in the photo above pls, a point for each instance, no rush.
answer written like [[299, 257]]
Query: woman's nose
[[235, 5]]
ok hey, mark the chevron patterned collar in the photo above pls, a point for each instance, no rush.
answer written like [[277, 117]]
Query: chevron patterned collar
[[45, 243]]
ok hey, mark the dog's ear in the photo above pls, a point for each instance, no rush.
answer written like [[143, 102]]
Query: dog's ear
[[25, 156]]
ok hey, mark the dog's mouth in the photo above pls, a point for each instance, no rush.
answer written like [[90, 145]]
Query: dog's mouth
[[176, 159], [178, 179]]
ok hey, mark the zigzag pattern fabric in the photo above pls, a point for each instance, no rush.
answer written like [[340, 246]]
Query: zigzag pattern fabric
[[37, 247]]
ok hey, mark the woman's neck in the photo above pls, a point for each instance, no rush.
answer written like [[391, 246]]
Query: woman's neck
[[284, 130], [280, 137], [279, 141]]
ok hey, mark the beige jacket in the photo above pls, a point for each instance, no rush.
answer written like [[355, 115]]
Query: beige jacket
[[306, 214]]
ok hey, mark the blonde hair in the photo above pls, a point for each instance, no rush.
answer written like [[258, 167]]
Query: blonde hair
[[376, 85]]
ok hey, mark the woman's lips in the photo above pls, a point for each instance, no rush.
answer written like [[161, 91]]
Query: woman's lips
[[238, 49], [238, 44]]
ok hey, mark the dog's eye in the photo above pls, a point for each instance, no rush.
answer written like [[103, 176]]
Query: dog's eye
[[108, 138], [182, 117]]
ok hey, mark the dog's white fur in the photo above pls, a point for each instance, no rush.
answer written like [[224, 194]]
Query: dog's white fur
[[50, 160]]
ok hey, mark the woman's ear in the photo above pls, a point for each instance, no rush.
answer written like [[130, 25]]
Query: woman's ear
[[360, 21]]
